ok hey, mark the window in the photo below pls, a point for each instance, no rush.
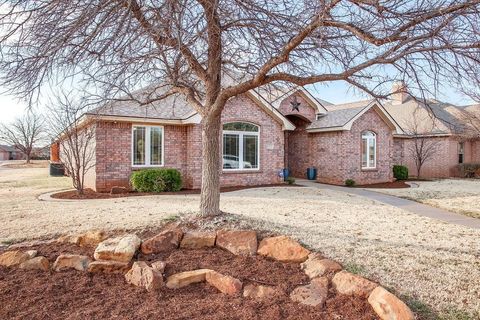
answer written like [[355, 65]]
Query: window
[[461, 150], [240, 146], [147, 146], [369, 150]]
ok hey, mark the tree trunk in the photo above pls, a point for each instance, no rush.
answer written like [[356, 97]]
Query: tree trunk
[[419, 167], [210, 196], [27, 157]]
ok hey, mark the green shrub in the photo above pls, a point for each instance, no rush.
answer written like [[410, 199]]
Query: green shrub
[[156, 180], [469, 170], [400, 172], [290, 180], [350, 183]]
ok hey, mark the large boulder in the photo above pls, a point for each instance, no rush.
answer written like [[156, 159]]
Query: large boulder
[[13, 258], [283, 248], [238, 242], [313, 294], [352, 284], [258, 292], [317, 266], [36, 263], [388, 306], [183, 279], [120, 249], [198, 239], [108, 266], [141, 275], [225, 284], [71, 261], [164, 241]]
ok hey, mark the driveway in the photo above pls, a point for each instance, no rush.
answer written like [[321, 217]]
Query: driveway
[[425, 259]]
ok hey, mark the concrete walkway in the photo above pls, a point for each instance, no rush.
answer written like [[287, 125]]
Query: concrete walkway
[[409, 205]]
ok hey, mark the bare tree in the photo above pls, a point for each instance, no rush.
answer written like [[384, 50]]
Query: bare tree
[[75, 137], [24, 133], [212, 50], [423, 145]]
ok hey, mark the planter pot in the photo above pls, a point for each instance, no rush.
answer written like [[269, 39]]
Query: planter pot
[[311, 173]]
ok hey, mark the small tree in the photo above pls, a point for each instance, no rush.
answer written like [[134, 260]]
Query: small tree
[[424, 146], [24, 133], [76, 139]]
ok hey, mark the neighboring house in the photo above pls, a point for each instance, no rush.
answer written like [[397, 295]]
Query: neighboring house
[[10, 153], [265, 131]]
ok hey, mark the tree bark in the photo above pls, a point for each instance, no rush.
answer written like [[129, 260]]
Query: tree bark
[[27, 158], [210, 196]]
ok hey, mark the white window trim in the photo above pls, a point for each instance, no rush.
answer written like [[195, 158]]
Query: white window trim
[[148, 147], [369, 141], [241, 134]]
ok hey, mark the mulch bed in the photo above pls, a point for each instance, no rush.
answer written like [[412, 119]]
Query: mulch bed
[[399, 184], [80, 295], [90, 194]]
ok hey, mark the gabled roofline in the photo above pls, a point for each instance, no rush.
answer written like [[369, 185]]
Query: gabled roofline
[[270, 109], [382, 112]]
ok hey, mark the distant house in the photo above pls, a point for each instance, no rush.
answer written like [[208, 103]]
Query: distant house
[[265, 131], [10, 153]]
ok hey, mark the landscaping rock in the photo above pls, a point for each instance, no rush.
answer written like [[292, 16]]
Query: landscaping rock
[[108, 266], [198, 239], [313, 294], [388, 306], [32, 253], [225, 284], [71, 261], [164, 241], [183, 279], [71, 239], [13, 258], [91, 238], [258, 292], [283, 248], [141, 275], [351, 284], [119, 190], [317, 266], [120, 249], [159, 266], [36, 263], [238, 242]]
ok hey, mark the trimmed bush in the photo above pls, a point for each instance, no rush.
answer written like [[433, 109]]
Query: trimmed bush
[[350, 183], [156, 180], [400, 172], [469, 170], [290, 180]]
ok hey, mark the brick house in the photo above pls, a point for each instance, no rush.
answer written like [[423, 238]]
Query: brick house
[[10, 153], [265, 131]]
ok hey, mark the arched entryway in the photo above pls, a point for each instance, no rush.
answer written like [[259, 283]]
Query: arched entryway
[[297, 153]]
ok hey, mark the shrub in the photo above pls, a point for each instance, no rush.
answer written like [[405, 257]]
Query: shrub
[[469, 170], [290, 180], [400, 172], [156, 180], [350, 182]]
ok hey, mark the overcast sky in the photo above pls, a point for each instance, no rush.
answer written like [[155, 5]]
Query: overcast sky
[[336, 92]]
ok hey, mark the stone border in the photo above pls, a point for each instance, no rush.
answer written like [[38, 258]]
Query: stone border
[[116, 255]]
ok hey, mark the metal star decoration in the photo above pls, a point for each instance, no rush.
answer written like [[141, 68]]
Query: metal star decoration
[[295, 104]]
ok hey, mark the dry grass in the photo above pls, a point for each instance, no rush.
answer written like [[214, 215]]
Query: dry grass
[[21, 164], [427, 260], [456, 195]]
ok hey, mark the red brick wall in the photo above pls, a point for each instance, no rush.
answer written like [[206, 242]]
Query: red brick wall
[[306, 110], [337, 155], [114, 156]]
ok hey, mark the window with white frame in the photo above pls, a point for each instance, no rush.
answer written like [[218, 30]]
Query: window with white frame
[[147, 146], [240, 146], [369, 150]]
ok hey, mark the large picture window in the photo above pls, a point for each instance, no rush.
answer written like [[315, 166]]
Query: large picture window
[[147, 146], [240, 146], [369, 150]]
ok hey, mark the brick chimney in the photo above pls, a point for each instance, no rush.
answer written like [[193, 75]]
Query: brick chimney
[[399, 93]]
